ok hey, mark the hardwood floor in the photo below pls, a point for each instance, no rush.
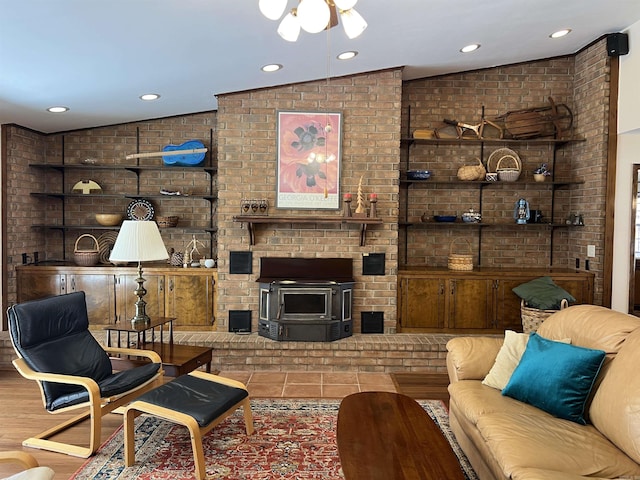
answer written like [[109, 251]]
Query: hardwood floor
[[22, 413]]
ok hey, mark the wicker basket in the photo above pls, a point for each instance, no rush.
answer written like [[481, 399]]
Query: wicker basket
[[462, 262], [533, 317], [508, 174], [86, 258], [472, 172], [167, 222]]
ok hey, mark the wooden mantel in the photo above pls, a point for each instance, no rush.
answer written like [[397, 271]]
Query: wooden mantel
[[252, 220]]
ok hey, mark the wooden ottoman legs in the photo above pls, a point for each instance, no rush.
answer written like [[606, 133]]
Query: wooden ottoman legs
[[196, 432]]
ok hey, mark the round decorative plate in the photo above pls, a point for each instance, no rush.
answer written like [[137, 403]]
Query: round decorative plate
[[106, 241], [140, 209]]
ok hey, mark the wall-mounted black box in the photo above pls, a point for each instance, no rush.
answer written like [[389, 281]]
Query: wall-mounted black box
[[373, 264], [372, 322], [240, 321], [240, 262]]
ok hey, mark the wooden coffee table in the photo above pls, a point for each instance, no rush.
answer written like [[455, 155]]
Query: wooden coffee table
[[387, 436]]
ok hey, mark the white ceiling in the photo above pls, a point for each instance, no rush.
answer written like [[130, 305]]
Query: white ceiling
[[98, 56]]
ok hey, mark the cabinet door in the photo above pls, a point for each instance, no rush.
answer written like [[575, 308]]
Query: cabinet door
[[34, 285], [422, 304], [126, 297], [190, 299], [99, 292], [508, 305], [470, 304]]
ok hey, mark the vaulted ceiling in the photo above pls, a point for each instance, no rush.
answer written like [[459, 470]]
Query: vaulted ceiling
[[98, 56]]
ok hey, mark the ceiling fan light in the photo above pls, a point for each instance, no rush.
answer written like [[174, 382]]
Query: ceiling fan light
[[345, 4], [289, 28], [313, 15], [272, 9], [352, 22]]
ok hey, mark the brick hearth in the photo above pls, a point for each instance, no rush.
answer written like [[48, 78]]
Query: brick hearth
[[359, 353]]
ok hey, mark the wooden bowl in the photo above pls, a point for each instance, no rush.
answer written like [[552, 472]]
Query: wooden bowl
[[109, 219]]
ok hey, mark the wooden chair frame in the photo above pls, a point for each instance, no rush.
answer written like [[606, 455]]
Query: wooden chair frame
[[97, 406], [195, 431]]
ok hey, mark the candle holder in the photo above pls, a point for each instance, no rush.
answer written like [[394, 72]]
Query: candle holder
[[373, 200], [347, 205]]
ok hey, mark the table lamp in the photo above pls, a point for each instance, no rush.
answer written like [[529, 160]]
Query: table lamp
[[139, 241]]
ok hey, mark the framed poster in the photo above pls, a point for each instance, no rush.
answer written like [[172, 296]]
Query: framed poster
[[309, 160]]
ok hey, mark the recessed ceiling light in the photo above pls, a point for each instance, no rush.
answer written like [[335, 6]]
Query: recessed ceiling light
[[470, 48], [58, 109], [560, 33], [272, 67], [149, 96], [347, 55]]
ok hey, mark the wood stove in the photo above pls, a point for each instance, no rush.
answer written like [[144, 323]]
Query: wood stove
[[305, 299]]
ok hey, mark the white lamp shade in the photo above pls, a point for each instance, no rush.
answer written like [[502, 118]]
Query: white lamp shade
[[353, 23], [314, 15], [138, 241], [345, 4], [289, 28], [272, 9]]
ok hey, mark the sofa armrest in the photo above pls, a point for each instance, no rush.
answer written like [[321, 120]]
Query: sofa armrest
[[471, 358]]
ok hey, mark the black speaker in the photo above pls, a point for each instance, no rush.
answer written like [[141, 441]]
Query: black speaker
[[617, 44], [372, 322], [240, 262], [373, 264], [240, 321]]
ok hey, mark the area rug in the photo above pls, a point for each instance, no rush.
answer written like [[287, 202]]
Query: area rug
[[294, 439]]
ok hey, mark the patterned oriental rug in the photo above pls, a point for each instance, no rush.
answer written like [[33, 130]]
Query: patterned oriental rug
[[294, 439]]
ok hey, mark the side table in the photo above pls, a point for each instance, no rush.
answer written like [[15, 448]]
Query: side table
[[176, 359]]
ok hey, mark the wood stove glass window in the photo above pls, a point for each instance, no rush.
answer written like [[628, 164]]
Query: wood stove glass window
[[346, 304], [264, 304], [305, 303]]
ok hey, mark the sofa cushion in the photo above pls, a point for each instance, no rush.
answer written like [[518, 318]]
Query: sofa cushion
[[507, 359], [474, 400], [543, 293], [615, 408], [555, 377], [544, 442], [590, 326], [539, 473]]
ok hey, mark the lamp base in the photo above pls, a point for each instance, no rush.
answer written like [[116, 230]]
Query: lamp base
[[141, 318]]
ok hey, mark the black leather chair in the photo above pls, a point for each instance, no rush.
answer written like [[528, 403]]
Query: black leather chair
[[56, 349]]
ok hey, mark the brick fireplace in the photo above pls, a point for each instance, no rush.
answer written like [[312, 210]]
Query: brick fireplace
[[305, 299]]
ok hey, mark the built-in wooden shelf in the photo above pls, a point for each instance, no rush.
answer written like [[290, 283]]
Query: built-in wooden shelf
[[252, 220]]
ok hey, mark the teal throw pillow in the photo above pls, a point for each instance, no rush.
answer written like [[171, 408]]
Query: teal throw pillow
[[555, 377], [543, 293]]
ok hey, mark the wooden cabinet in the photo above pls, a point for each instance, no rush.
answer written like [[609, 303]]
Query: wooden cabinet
[[188, 294], [480, 301]]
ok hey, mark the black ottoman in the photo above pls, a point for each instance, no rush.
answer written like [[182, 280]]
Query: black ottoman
[[199, 401]]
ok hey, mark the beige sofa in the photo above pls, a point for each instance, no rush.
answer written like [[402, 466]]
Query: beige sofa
[[508, 439]]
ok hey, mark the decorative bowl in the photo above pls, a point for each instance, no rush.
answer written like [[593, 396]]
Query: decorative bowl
[[109, 219], [418, 174], [445, 218]]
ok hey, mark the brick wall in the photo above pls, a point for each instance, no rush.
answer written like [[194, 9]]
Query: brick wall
[[370, 106], [375, 116]]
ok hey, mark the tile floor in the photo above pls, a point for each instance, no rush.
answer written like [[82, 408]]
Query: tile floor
[[310, 384]]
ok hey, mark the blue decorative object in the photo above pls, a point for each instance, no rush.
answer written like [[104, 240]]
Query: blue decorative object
[[418, 174], [189, 158], [555, 377]]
